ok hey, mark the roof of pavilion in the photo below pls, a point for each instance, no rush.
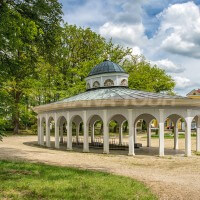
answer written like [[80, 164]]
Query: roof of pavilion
[[116, 93], [118, 97]]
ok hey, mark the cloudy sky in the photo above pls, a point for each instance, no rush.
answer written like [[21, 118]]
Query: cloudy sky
[[167, 32]]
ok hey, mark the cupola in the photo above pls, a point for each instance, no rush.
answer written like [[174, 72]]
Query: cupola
[[107, 74]]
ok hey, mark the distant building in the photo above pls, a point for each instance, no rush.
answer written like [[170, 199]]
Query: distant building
[[194, 94]]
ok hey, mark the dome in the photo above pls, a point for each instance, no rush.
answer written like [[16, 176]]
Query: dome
[[106, 67]]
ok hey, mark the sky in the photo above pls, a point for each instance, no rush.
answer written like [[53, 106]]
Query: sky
[[166, 32]]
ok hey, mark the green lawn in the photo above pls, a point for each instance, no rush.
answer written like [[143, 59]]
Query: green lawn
[[171, 136], [19, 180]]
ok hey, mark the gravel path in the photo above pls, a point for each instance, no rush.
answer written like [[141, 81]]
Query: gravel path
[[171, 177]]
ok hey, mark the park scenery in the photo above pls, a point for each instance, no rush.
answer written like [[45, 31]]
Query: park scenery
[[99, 100]]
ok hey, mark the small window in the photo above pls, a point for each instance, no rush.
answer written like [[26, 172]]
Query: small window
[[96, 84], [124, 82], [88, 86], [194, 93], [108, 83]]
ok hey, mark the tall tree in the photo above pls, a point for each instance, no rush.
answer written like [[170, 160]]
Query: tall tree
[[28, 31]]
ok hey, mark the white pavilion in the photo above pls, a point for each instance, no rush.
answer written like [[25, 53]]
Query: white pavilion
[[107, 97]]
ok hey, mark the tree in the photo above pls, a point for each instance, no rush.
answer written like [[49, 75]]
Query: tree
[[81, 50], [143, 76], [28, 31]]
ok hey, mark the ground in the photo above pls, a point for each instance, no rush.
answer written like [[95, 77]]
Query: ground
[[171, 177]]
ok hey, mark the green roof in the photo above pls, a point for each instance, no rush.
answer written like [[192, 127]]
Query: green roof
[[117, 93], [106, 67]]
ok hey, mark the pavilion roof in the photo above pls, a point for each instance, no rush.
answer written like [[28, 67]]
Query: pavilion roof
[[117, 93]]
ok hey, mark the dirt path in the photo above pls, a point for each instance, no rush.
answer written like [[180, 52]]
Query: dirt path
[[171, 177]]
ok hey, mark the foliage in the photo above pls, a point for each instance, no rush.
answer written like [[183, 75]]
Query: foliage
[[38, 181], [143, 76], [27, 33]]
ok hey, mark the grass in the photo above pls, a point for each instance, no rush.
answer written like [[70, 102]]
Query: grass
[[170, 136], [21, 133], [20, 180], [197, 153]]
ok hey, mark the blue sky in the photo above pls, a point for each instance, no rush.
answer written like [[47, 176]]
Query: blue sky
[[166, 32]]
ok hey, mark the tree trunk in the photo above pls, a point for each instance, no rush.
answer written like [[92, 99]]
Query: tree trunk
[[16, 111]]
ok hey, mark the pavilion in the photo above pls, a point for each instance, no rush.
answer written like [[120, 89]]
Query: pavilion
[[107, 97]]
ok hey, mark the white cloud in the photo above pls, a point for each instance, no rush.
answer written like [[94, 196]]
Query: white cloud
[[168, 66], [126, 34], [180, 29], [182, 82]]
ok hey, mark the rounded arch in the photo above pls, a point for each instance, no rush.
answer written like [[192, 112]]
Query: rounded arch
[[96, 84], [43, 120], [50, 118], [76, 119], [124, 82], [93, 118], [174, 117], [61, 119], [119, 118], [108, 83], [148, 118], [88, 86]]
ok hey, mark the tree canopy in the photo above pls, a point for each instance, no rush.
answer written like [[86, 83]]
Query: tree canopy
[[143, 76], [43, 60]]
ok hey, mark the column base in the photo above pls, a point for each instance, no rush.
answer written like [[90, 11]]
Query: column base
[[105, 152], [131, 154], [69, 149], [86, 151]]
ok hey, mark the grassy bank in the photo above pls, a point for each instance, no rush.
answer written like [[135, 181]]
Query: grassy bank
[[21, 180]]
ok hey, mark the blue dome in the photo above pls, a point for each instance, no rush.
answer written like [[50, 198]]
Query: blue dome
[[106, 67]]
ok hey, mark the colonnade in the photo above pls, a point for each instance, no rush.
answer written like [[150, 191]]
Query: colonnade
[[130, 115]]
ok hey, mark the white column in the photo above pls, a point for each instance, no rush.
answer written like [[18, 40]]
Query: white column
[[92, 132], [56, 133], [135, 134], [77, 133], [131, 133], [61, 133], [188, 137], [121, 134], [69, 132], [48, 141], [149, 134], [41, 133], [86, 130], [161, 132], [105, 132], [38, 129], [69, 135], [176, 135], [198, 140], [198, 135]]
